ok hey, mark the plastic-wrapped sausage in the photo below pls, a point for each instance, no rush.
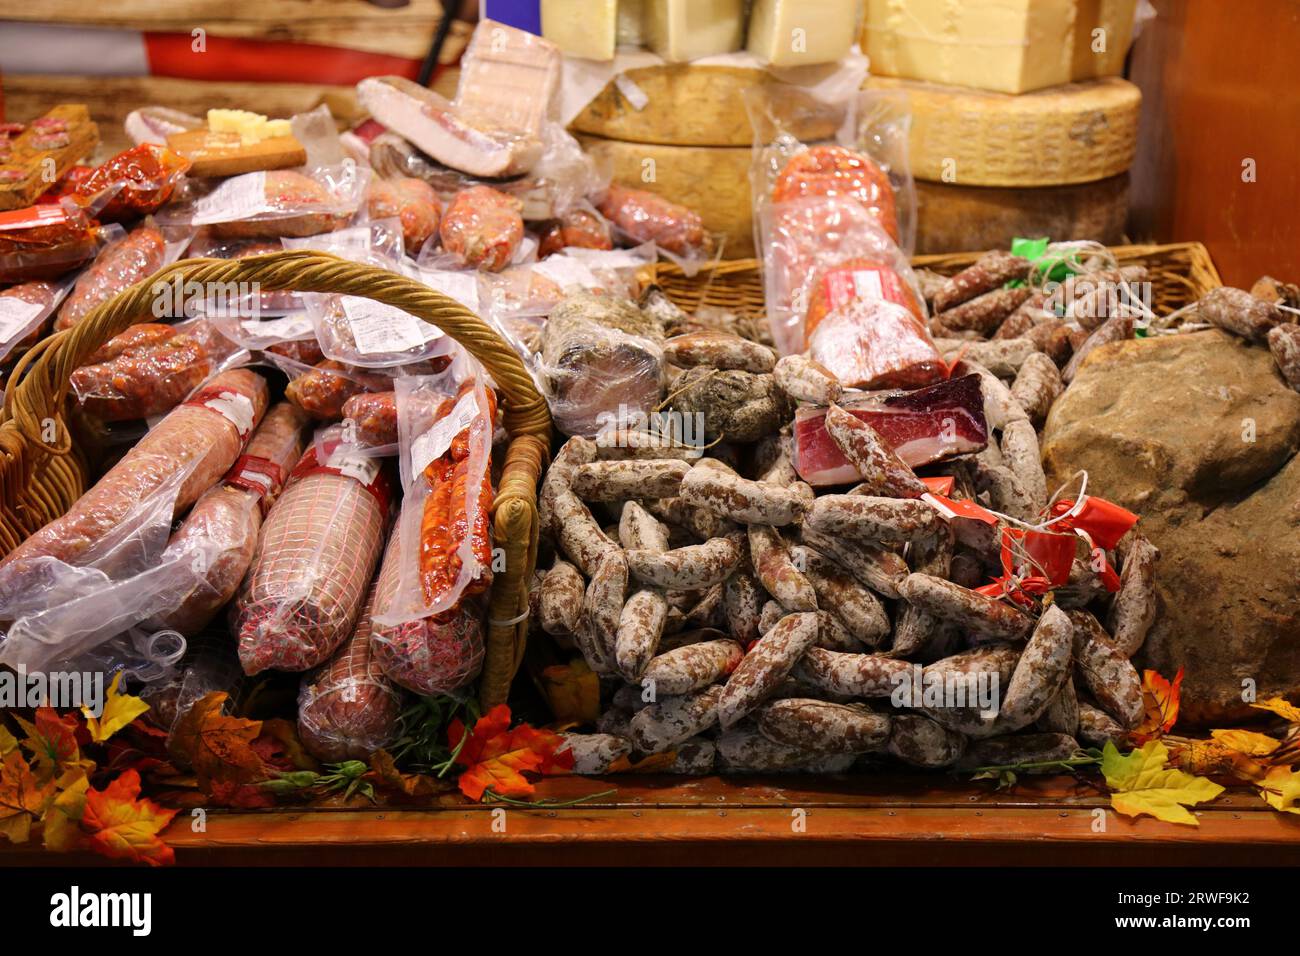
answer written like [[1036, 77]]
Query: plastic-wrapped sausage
[[315, 560], [482, 228], [374, 417], [121, 265], [145, 371], [643, 216], [348, 709], [223, 526], [323, 390], [413, 201], [580, 226], [199, 439], [990, 271]]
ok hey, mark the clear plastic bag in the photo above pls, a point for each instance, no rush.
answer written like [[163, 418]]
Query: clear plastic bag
[[321, 390], [137, 255], [315, 559], [134, 183], [348, 709], [580, 226], [25, 310], [274, 203], [49, 240], [639, 216], [445, 428], [482, 228], [412, 201], [242, 305]]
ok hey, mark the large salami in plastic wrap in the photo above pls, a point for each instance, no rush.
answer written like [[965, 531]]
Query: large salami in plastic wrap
[[198, 440], [315, 558], [221, 529], [348, 709], [136, 256]]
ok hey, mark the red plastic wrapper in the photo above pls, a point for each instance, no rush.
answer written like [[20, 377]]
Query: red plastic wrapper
[[482, 228], [138, 255], [133, 183], [46, 241], [144, 371], [412, 201], [643, 216]]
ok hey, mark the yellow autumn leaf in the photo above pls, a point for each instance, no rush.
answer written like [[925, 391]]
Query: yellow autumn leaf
[[8, 741], [573, 691], [119, 710], [1246, 741], [1281, 789], [1282, 708], [1143, 784], [62, 819]]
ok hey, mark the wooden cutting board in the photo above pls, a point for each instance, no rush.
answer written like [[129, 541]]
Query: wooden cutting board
[[222, 154]]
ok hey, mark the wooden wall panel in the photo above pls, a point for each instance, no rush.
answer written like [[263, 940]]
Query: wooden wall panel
[[1220, 88]]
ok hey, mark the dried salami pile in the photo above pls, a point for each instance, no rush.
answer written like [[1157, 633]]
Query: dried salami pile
[[826, 579]]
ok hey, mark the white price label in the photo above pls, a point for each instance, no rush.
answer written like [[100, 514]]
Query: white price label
[[237, 408], [16, 315], [346, 461], [438, 438], [240, 197], [379, 328], [286, 329]]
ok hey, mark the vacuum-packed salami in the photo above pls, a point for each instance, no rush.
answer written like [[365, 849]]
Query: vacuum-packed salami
[[145, 371], [122, 264], [482, 228], [315, 558]]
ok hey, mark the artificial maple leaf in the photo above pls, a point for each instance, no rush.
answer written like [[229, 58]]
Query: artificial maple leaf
[[8, 741], [218, 747], [279, 747], [52, 741], [118, 824], [496, 757], [1160, 702], [1284, 709], [1143, 784], [119, 710], [61, 824], [22, 797], [1206, 757], [573, 691], [1281, 789], [1246, 741], [385, 775]]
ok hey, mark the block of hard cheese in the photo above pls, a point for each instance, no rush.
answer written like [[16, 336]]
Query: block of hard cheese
[[1010, 46], [1079, 132], [961, 218], [582, 28], [798, 32], [681, 30]]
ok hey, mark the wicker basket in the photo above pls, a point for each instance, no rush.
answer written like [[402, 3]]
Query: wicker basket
[[42, 470], [1179, 274]]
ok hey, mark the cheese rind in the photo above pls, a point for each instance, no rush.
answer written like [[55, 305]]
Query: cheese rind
[[799, 32], [682, 30], [582, 28], [1008, 46]]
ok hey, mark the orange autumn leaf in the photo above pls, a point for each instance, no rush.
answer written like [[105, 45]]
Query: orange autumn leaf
[[218, 747], [384, 774], [1284, 709], [1248, 742], [496, 757], [22, 797], [52, 741], [1160, 700], [1212, 757], [573, 691], [120, 825]]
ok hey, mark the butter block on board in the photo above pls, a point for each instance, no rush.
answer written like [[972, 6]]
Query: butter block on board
[[1009, 46], [682, 30], [798, 32], [582, 28]]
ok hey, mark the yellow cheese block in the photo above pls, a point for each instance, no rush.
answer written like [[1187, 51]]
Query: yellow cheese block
[[693, 105], [799, 32], [1010, 46], [956, 218], [1075, 133], [712, 180]]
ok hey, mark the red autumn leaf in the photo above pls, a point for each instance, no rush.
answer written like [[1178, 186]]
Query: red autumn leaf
[[241, 796], [1160, 700], [120, 825], [496, 757]]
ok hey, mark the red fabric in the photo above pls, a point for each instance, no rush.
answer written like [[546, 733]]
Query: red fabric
[[268, 61]]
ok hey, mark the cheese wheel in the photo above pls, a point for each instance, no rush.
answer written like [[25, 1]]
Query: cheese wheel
[[690, 105], [1076, 133], [960, 218], [712, 180]]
